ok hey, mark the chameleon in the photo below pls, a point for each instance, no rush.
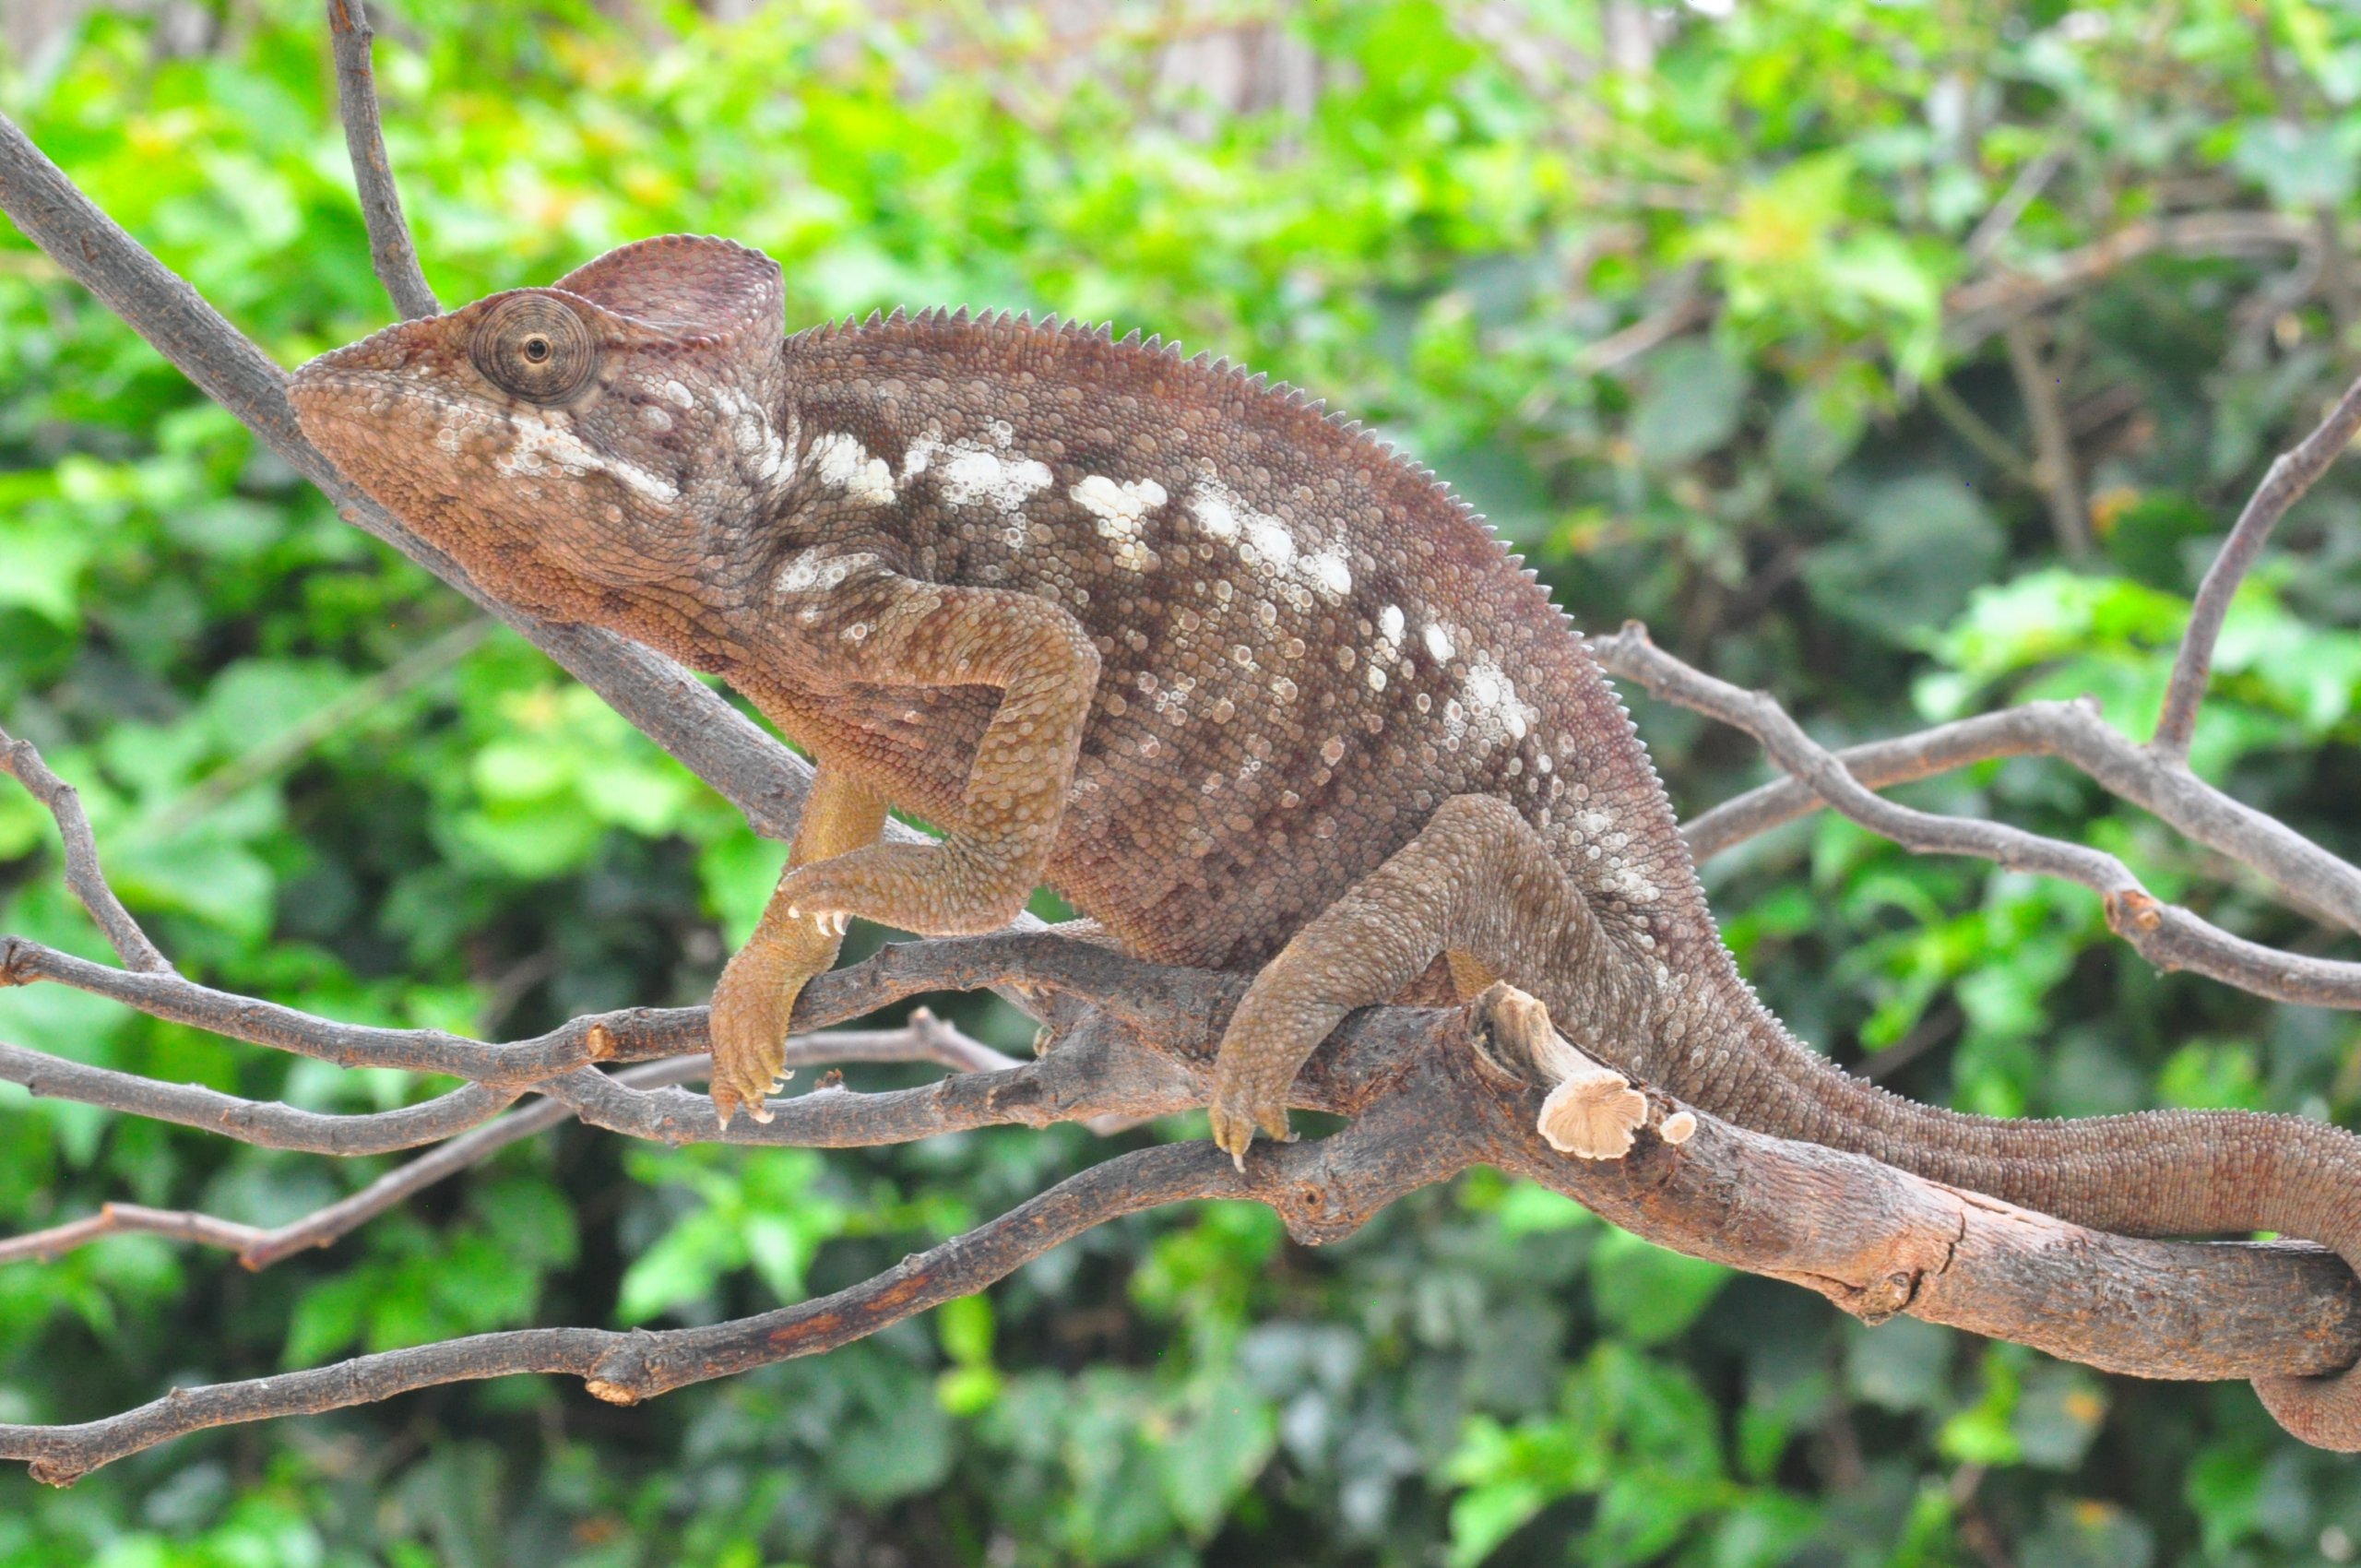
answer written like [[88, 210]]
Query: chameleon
[[1246, 686]]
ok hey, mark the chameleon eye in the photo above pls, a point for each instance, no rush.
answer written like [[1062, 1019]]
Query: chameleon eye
[[534, 347]]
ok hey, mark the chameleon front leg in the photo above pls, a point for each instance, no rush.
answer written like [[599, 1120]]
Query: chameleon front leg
[[759, 985], [1477, 885], [862, 624]]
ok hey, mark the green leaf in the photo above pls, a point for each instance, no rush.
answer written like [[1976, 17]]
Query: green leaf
[[1694, 399], [1213, 1456], [1647, 1295]]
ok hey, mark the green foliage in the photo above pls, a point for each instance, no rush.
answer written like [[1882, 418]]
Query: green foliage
[[1702, 337]]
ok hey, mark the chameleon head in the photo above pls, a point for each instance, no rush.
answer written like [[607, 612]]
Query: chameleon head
[[601, 436]]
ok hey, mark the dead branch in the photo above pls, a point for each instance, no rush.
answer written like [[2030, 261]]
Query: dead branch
[[2167, 937], [21, 761], [1430, 1098], [252, 1121], [2291, 474], [2053, 444], [924, 1039], [390, 250]]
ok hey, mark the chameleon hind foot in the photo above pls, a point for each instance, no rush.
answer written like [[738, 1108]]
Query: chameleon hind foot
[[1477, 885]]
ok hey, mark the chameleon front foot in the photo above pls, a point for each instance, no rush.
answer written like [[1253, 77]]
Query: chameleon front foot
[[753, 1003]]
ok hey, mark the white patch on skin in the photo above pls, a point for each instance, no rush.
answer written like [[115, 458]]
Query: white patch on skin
[[1499, 711], [809, 569], [680, 396], [1269, 538], [1439, 642], [655, 417], [1264, 543], [1214, 512], [970, 476], [1631, 883], [841, 462], [538, 449], [1389, 623], [1121, 510]]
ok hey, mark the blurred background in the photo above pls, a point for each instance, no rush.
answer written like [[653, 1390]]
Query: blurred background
[[1903, 358]]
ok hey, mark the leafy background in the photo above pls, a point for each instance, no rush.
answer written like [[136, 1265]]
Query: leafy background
[[1686, 299]]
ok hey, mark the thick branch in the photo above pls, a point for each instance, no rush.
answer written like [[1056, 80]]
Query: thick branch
[[1426, 1102], [381, 204]]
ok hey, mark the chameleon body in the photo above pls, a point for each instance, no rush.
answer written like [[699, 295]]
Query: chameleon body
[[1248, 688]]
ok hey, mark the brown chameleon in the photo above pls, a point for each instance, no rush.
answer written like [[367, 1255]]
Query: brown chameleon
[[1248, 688]]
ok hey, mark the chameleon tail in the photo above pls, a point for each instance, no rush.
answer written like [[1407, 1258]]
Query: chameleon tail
[[2147, 1174]]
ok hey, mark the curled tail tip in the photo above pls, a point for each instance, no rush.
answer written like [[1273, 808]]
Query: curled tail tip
[[2322, 1412]]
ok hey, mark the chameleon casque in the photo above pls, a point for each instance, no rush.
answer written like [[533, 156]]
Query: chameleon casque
[[1250, 689]]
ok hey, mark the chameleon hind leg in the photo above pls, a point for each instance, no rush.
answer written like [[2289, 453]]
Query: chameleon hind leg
[[759, 985], [1478, 885]]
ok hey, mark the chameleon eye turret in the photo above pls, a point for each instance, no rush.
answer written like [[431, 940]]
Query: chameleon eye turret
[[535, 347]]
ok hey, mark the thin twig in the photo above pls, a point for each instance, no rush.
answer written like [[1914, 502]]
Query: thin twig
[[2031, 181], [21, 761], [390, 250], [1973, 428], [2169, 937], [2291, 474], [2061, 485], [2304, 875], [1975, 309], [179, 1001], [924, 1039], [265, 1125], [626, 1367]]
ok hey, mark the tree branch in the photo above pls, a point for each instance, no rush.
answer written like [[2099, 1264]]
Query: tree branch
[[2169, 937], [390, 250], [2306, 876], [2291, 474], [924, 1039], [755, 773], [1429, 1099], [22, 762], [252, 1121], [626, 1367], [2053, 443]]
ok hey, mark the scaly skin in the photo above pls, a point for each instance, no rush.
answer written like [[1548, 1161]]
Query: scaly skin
[[1249, 689]]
